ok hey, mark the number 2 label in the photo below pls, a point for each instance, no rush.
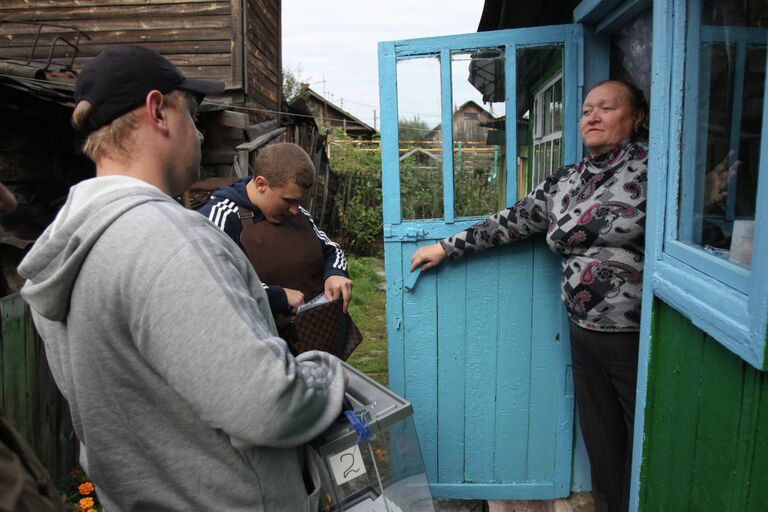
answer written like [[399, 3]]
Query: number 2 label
[[347, 465]]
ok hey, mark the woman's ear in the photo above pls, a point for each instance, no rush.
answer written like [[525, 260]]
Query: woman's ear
[[639, 118]]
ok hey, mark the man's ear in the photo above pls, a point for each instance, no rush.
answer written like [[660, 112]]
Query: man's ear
[[260, 182], [156, 111]]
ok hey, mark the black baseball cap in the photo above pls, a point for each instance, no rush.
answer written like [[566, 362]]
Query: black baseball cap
[[119, 79]]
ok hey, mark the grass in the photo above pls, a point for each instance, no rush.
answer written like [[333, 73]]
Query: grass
[[368, 311]]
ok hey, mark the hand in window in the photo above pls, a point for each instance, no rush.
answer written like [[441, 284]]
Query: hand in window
[[716, 182]]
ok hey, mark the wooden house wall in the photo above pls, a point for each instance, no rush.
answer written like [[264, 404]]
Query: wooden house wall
[[231, 40], [327, 115], [469, 129], [263, 56], [706, 423], [466, 130], [199, 36]]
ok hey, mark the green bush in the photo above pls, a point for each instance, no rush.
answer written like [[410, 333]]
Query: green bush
[[478, 188], [361, 226]]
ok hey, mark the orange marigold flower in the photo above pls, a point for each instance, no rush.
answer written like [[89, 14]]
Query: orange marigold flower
[[86, 488], [86, 503]]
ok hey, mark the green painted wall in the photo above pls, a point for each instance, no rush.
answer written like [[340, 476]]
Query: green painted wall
[[706, 424]]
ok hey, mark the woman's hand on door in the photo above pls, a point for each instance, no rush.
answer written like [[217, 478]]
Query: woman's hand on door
[[427, 257]]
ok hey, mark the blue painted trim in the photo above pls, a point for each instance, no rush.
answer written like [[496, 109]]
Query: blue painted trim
[[390, 155], [706, 264], [621, 15], [658, 160], [571, 144], [393, 257], [688, 226], [698, 285], [431, 229], [446, 90], [592, 11], [499, 491], [720, 34], [510, 88], [674, 131], [758, 306], [564, 450], [532, 36], [704, 56], [736, 107], [692, 294]]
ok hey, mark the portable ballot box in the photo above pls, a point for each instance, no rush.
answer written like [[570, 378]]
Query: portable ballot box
[[369, 459]]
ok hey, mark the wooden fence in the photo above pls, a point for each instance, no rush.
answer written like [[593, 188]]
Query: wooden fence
[[29, 398]]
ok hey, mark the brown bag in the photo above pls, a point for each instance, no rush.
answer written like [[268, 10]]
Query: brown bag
[[326, 327], [24, 482]]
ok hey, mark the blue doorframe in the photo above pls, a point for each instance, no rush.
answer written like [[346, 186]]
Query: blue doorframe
[[480, 346]]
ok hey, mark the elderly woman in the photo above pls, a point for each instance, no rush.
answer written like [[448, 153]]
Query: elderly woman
[[593, 213]]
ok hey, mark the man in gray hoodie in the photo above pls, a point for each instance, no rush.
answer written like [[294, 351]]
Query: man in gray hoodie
[[157, 330]]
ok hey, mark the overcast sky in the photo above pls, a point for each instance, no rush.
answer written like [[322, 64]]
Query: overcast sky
[[337, 41]]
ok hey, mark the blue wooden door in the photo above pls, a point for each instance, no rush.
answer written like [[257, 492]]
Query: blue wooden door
[[479, 345]]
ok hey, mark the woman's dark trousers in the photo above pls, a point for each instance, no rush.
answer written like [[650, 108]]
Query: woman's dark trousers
[[605, 379]]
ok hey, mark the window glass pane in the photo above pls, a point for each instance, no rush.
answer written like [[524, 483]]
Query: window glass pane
[[540, 83], [549, 157], [557, 106], [420, 138], [723, 123], [547, 112], [479, 151]]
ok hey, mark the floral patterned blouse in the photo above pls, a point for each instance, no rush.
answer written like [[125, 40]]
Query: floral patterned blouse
[[594, 215]]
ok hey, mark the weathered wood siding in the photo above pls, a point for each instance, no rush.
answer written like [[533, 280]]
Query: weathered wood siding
[[706, 424], [29, 398], [199, 36], [263, 57]]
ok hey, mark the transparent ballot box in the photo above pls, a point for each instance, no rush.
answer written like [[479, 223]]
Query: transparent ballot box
[[369, 459]]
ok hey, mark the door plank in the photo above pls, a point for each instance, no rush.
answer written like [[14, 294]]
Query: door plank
[[420, 352], [452, 335], [480, 384], [515, 290]]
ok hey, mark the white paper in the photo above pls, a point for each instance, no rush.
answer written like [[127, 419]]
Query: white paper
[[347, 465]]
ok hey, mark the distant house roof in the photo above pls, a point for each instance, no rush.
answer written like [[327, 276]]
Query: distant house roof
[[331, 114], [420, 151]]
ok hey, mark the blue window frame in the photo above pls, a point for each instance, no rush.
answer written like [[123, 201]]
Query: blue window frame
[[727, 300]]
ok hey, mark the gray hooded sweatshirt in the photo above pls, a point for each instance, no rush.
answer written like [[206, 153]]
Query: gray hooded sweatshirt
[[159, 335]]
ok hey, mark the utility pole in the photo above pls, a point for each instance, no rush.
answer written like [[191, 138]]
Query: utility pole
[[325, 103]]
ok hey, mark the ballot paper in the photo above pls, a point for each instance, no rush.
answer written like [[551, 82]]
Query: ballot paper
[[316, 301]]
